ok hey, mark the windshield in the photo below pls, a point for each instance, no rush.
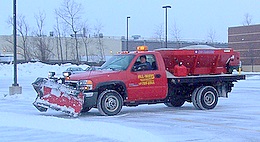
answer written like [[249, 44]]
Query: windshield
[[74, 69], [118, 62]]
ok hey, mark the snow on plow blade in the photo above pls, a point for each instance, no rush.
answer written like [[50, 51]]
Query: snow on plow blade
[[57, 96]]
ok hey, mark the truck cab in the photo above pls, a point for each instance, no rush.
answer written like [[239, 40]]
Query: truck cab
[[136, 82]]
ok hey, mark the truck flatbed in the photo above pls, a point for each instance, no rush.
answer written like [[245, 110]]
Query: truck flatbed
[[205, 78]]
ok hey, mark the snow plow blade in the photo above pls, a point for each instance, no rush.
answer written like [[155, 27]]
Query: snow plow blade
[[57, 96]]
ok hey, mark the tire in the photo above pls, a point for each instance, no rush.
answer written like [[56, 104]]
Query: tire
[[85, 109], [110, 102], [207, 97], [194, 98], [175, 102]]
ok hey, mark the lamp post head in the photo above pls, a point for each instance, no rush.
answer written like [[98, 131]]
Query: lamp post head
[[167, 6], [128, 17]]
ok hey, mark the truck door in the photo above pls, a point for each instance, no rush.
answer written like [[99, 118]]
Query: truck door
[[146, 80]]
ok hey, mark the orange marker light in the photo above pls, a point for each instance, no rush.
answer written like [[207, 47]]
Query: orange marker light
[[89, 82], [142, 48]]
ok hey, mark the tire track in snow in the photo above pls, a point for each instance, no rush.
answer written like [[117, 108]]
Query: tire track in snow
[[218, 125]]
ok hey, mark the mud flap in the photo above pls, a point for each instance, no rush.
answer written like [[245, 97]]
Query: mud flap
[[57, 96]]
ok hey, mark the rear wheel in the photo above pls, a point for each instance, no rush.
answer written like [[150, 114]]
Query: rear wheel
[[110, 102], [194, 98], [207, 97]]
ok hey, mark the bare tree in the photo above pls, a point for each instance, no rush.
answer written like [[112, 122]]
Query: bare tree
[[67, 51], [211, 36], [159, 33], [9, 48], [43, 49], [176, 34], [59, 41], [23, 30], [71, 12], [86, 40], [100, 44], [247, 20]]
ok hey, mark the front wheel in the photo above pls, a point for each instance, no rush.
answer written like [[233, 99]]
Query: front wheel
[[110, 102]]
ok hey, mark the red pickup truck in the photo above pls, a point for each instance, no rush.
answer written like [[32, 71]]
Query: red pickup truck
[[171, 76]]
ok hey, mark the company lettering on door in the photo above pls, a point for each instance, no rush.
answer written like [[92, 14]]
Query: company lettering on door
[[146, 79]]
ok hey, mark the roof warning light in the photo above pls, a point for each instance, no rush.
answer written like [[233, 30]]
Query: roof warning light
[[142, 48]]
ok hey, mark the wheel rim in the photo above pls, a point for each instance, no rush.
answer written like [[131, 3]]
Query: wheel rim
[[111, 103], [209, 98]]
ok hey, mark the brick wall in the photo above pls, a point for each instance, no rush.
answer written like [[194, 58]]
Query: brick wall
[[246, 40]]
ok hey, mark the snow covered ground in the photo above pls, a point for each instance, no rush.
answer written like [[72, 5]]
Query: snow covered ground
[[234, 119]]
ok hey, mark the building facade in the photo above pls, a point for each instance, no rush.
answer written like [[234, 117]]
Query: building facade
[[90, 49], [246, 40], [49, 48]]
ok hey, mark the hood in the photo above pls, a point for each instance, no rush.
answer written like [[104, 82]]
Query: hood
[[94, 74]]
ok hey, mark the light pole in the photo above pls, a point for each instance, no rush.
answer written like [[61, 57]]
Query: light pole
[[166, 7], [15, 88], [14, 36], [128, 17]]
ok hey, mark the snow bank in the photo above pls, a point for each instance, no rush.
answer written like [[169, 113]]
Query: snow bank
[[36, 69]]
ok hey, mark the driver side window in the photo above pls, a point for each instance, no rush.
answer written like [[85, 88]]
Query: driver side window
[[145, 63]]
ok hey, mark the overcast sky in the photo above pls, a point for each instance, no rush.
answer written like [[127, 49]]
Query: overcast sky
[[193, 18]]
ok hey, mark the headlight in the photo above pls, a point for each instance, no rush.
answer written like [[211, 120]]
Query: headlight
[[51, 74], [66, 74], [85, 85]]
